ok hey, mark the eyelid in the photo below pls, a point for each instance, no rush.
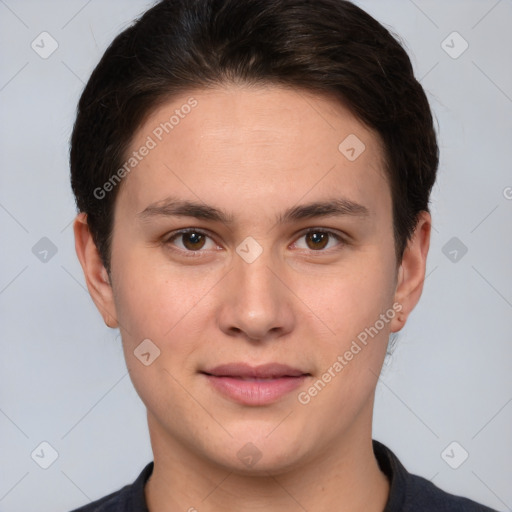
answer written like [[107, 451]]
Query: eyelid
[[185, 231]]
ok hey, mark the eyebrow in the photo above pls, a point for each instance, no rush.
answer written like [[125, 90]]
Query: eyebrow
[[174, 207]]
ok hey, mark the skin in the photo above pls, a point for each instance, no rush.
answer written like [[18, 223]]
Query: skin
[[255, 152]]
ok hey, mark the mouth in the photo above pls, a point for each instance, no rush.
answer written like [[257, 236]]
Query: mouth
[[255, 385]]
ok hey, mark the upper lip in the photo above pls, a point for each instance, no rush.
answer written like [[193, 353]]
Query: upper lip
[[264, 371]]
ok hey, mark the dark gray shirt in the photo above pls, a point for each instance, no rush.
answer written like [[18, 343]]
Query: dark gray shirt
[[408, 493]]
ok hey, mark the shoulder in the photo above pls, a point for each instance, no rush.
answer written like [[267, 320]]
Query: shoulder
[[128, 499], [422, 495], [110, 503], [412, 493]]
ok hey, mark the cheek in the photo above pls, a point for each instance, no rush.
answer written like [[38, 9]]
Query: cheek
[[153, 299], [352, 298], [350, 360], [166, 308]]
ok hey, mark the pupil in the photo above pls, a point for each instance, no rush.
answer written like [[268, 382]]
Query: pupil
[[193, 241], [319, 240]]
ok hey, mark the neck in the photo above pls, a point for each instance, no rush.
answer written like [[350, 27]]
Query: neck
[[347, 478]]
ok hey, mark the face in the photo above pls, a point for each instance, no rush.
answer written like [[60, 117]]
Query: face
[[253, 247]]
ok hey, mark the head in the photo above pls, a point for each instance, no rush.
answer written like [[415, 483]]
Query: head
[[298, 150]]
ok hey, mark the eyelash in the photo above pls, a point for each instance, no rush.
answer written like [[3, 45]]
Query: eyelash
[[194, 254]]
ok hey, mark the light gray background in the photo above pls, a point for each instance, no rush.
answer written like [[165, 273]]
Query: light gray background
[[62, 374]]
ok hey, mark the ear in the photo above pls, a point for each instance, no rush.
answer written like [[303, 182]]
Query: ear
[[96, 276], [411, 274]]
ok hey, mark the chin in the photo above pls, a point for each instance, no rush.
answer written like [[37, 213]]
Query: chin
[[261, 464], [261, 454]]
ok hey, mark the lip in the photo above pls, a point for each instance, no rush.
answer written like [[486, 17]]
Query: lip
[[255, 385]]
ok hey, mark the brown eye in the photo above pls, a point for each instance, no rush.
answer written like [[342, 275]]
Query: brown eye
[[317, 240], [193, 241], [320, 239]]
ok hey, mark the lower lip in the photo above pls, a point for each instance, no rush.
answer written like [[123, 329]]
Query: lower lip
[[255, 392]]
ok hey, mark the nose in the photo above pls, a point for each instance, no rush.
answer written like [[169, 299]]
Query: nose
[[256, 303]]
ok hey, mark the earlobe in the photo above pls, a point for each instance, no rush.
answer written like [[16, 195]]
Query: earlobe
[[411, 274], [96, 276]]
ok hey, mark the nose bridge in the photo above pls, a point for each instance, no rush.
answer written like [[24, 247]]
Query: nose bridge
[[256, 279]]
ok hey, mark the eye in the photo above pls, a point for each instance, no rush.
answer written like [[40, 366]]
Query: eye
[[191, 240], [318, 240]]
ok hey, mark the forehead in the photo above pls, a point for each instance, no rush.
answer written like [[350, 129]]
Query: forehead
[[251, 144]]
